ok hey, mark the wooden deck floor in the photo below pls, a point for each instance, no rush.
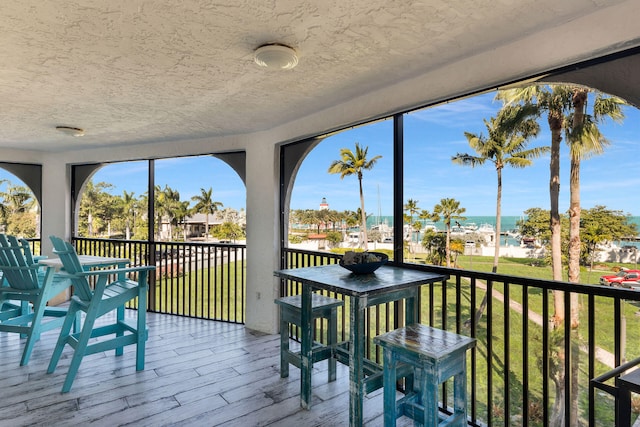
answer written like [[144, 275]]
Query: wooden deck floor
[[197, 373]]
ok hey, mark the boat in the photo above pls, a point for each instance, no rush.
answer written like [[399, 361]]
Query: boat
[[431, 227], [486, 228], [514, 233], [470, 227], [458, 230]]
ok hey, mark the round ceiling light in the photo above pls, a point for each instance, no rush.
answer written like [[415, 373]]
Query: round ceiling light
[[70, 130], [276, 57]]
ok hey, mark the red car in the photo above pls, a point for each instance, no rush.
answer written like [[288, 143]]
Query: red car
[[623, 275]]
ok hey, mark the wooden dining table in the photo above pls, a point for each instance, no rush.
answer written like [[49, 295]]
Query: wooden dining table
[[387, 284]]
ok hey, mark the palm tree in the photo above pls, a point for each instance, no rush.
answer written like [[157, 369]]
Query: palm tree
[[129, 209], [584, 140], [166, 202], [411, 207], [448, 209], [565, 105], [351, 218], [425, 215], [351, 163], [505, 145], [18, 199], [555, 100], [181, 212], [92, 200], [205, 204]]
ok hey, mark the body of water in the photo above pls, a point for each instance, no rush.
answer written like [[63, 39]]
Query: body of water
[[507, 223]]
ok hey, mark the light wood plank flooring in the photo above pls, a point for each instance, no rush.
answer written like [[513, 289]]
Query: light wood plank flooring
[[197, 373]]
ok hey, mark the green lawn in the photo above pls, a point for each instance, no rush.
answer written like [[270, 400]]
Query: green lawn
[[513, 330], [214, 293]]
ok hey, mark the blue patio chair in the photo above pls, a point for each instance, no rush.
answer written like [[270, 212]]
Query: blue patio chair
[[103, 298], [25, 290]]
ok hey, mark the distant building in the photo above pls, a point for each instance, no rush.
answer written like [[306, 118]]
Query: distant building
[[194, 226], [324, 206]]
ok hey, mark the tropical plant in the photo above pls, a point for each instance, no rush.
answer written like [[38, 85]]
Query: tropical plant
[[555, 100], [129, 206], [351, 218], [228, 231], [334, 238], [425, 215], [93, 205], [435, 244], [167, 201], [448, 209], [206, 205], [351, 163], [20, 210], [457, 247], [22, 224], [411, 208], [505, 145], [181, 212], [18, 198], [601, 225], [566, 107], [584, 140]]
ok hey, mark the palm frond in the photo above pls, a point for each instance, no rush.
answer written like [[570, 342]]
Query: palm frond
[[468, 160]]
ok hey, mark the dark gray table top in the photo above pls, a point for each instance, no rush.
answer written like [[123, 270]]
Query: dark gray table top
[[338, 279]]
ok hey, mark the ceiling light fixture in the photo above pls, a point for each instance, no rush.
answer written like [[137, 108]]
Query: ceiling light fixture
[[70, 130], [276, 57]]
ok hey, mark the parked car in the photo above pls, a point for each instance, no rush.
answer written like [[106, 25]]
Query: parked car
[[621, 276], [632, 284]]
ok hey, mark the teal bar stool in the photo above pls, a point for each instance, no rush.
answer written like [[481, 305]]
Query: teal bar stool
[[322, 307], [435, 356]]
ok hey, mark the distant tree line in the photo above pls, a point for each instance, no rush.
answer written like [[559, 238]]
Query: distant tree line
[[107, 215], [19, 210], [599, 225]]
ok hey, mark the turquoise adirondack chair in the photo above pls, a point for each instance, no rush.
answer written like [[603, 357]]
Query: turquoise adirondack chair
[[95, 302], [25, 290]]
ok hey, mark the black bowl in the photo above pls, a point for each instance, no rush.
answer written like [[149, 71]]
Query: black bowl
[[366, 268]]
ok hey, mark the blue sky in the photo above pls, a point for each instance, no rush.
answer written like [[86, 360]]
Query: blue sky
[[432, 136]]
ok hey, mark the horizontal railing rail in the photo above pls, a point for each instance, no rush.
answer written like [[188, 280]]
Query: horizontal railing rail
[[201, 280], [532, 365], [34, 245]]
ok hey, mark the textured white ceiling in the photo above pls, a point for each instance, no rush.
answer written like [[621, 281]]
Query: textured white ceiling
[[141, 71]]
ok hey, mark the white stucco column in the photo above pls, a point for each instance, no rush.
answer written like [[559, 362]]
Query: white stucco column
[[56, 196], [262, 236]]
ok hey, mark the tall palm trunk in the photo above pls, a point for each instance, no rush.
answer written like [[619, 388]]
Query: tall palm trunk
[[555, 120], [447, 244], [496, 253], [579, 104], [363, 216], [555, 125]]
